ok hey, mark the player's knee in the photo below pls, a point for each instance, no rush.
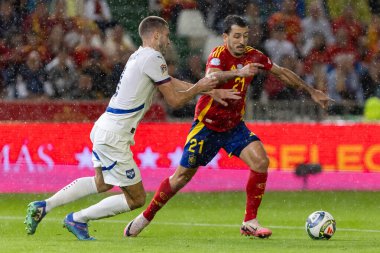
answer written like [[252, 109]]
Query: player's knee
[[265, 163], [262, 165], [137, 201]]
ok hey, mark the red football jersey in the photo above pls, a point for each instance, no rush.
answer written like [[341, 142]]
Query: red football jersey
[[223, 118]]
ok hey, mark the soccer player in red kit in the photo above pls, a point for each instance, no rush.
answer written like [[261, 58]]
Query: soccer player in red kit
[[218, 126]]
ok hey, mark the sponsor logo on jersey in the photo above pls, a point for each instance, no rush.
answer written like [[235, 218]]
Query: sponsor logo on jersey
[[130, 173], [164, 68], [215, 61]]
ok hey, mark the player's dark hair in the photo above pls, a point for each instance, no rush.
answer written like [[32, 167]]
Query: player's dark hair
[[150, 24], [231, 20]]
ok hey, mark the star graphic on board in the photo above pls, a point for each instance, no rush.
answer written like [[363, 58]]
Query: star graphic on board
[[175, 157], [214, 162], [84, 158], [148, 158]]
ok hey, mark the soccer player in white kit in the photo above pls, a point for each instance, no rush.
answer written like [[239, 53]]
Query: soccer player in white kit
[[113, 134]]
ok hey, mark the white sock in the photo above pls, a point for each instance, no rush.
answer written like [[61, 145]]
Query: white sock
[[75, 190], [108, 207]]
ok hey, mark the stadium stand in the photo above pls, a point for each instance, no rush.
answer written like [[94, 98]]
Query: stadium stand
[[94, 53]]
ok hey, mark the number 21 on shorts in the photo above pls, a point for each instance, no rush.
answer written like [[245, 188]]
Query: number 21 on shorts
[[196, 145]]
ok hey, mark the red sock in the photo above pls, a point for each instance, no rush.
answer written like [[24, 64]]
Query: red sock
[[161, 197], [255, 190]]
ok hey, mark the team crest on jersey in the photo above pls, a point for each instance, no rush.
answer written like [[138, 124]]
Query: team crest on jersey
[[164, 68], [239, 66], [215, 61], [192, 159], [130, 173]]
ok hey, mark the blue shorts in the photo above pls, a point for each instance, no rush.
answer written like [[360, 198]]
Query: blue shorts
[[202, 144]]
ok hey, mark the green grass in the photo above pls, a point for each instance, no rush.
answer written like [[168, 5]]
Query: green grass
[[204, 222]]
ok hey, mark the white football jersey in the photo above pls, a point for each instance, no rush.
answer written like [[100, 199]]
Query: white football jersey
[[144, 71]]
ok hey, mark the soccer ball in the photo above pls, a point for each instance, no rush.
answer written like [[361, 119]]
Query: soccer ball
[[320, 225]]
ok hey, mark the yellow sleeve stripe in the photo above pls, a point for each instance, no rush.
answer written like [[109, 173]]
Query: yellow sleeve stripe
[[217, 51], [195, 130], [248, 49], [221, 50]]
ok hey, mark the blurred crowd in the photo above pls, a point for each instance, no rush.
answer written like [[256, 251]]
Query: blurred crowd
[[73, 49], [64, 49], [333, 45]]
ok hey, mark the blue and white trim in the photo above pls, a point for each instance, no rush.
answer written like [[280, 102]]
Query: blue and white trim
[[122, 111]]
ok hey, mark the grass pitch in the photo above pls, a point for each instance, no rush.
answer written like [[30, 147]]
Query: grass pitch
[[203, 222]]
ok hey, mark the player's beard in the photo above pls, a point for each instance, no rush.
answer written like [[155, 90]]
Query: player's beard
[[239, 53], [240, 49]]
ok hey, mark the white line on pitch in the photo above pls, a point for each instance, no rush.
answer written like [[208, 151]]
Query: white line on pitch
[[193, 224]]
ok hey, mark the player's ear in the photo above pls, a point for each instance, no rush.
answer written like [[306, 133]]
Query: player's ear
[[225, 36], [156, 35]]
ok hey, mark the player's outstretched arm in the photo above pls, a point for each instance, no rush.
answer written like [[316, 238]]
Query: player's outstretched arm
[[180, 85], [219, 95], [223, 76], [177, 98], [292, 79]]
